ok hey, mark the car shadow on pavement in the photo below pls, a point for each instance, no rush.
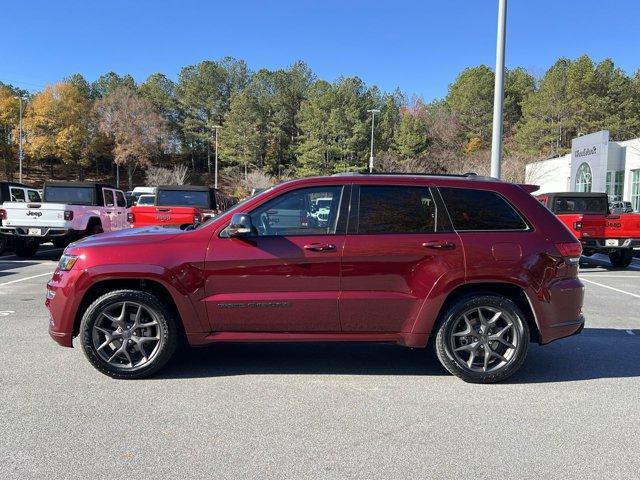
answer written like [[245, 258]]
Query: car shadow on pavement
[[595, 353]]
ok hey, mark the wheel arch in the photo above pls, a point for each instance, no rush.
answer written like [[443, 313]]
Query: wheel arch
[[511, 291], [146, 285]]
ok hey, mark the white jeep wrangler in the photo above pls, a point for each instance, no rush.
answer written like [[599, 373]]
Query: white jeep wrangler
[[15, 192], [70, 210]]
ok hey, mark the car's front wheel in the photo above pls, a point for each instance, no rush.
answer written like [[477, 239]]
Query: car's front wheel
[[128, 334], [482, 338]]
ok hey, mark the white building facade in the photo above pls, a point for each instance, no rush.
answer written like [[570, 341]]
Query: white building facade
[[595, 164]]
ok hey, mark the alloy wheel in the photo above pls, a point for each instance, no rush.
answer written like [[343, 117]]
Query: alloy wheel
[[483, 339], [126, 335]]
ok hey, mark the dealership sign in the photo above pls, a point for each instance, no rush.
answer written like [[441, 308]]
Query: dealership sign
[[585, 152]]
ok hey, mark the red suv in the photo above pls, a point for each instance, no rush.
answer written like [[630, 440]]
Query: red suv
[[478, 266]]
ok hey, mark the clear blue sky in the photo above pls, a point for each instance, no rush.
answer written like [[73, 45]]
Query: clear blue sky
[[418, 46]]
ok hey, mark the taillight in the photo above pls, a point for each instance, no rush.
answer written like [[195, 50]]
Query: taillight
[[130, 217], [577, 225], [68, 215], [3, 214], [570, 251]]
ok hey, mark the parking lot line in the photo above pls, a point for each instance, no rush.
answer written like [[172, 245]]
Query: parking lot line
[[610, 288], [25, 278]]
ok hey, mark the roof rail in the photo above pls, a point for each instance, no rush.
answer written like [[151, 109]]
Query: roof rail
[[427, 174]]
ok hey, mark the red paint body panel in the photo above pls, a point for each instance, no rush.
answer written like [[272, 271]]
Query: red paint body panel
[[383, 287], [146, 215]]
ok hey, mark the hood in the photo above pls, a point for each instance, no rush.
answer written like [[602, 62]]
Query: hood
[[129, 236]]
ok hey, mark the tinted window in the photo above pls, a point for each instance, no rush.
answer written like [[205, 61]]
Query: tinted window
[[17, 195], [580, 205], [396, 209], [120, 200], [186, 198], [480, 210], [108, 198], [73, 195], [295, 213], [146, 200], [34, 196]]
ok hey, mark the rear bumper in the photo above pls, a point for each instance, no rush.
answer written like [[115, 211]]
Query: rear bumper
[[566, 329], [600, 243], [45, 232], [558, 309]]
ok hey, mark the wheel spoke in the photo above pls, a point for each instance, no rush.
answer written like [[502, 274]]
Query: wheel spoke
[[148, 324], [471, 359], [497, 355], [485, 364], [483, 321], [471, 347], [495, 318]]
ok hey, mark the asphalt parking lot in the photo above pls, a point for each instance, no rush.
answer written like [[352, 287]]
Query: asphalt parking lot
[[321, 411]]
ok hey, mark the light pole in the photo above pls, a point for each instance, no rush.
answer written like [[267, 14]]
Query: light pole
[[20, 152], [498, 91], [373, 112], [215, 168]]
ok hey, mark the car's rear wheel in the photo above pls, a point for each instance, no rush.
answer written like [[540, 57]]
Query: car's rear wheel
[[26, 247], [128, 334], [621, 258], [482, 338], [3, 243]]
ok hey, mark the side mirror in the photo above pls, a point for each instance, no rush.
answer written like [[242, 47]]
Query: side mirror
[[240, 225]]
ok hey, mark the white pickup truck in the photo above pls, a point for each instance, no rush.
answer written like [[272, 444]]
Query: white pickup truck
[[70, 210], [15, 192]]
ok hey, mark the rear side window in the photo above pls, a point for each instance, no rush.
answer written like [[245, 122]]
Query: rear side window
[[480, 210], [108, 198], [17, 195], [396, 209]]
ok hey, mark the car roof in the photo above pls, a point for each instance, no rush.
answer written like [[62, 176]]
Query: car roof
[[79, 184], [193, 188], [576, 194]]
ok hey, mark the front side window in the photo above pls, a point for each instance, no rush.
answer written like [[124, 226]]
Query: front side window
[[121, 201], [396, 209], [635, 190], [34, 196], [17, 195], [298, 213], [480, 210], [583, 178]]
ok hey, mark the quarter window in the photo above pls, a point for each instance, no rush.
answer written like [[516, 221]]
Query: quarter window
[[480, 210], [615, 181], [396, 209], [308, 211]]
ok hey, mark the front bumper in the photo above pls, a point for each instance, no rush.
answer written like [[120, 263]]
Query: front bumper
[[61, 302]]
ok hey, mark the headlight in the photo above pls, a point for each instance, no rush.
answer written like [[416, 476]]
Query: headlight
[[67, 262]]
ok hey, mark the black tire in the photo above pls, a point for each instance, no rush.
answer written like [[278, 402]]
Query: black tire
[[621, 258], [3, 243], [25, 247], [61, 242], [445, 339], [167, 331], [94, 228]]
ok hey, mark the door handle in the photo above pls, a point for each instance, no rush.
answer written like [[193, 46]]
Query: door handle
[[320, 247], [439, 244], [163, 209], [108, 211]]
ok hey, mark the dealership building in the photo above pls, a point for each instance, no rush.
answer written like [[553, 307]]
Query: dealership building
[[595, 164]]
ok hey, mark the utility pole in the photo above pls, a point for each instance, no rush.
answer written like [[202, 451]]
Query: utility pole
[[215, 181], [373, 112], [498, 91], [20, 152]]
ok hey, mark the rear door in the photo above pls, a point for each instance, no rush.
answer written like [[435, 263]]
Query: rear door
[[399, 248], [109, 221], [121, 210]]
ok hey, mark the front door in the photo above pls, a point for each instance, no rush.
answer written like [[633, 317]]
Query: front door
[[398, 248], [286, 276]]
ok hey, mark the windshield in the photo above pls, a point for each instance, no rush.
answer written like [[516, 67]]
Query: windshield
[[581, 205], [237, 206], [186, 198], [73, 195]]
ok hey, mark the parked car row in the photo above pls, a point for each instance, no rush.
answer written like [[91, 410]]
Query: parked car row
[[68, 211]]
